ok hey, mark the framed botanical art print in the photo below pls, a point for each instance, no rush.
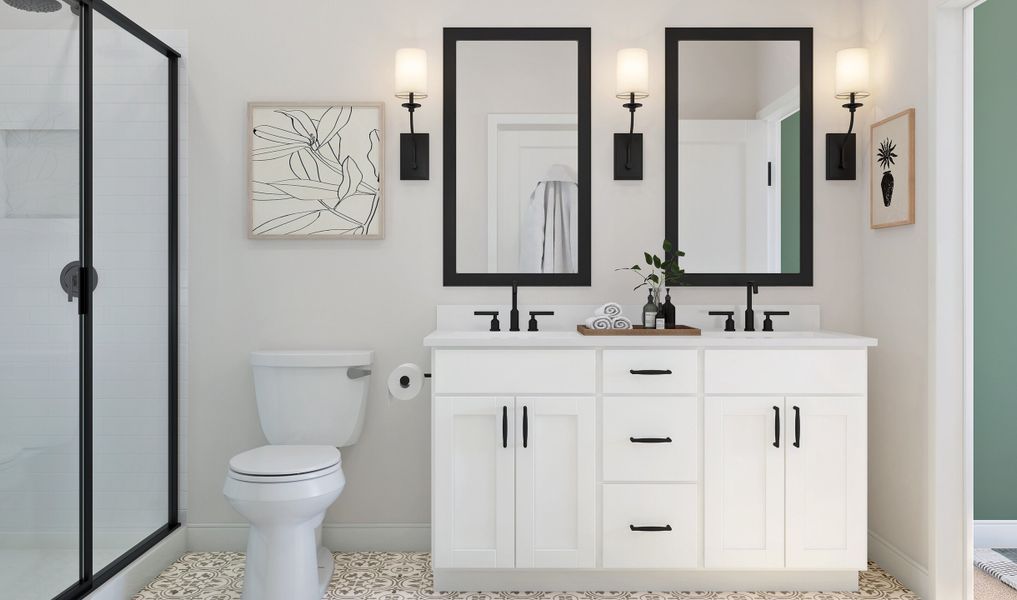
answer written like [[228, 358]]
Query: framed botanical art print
[[315, 170], [892, 171]]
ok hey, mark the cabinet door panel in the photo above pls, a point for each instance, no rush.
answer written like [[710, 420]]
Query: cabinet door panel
[[555, 482], [744, 482], [473, 482], [826, 484]]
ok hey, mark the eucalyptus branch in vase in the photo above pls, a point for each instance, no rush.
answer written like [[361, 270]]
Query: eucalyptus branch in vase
[[659, 272]]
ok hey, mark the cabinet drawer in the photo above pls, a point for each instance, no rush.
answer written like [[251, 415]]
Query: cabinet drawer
[[490, 371], [651, 371], [628, 506], [785, 372], [651, 438]]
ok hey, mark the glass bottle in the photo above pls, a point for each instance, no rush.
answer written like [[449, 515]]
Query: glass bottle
[[649, 312], [669, 311]]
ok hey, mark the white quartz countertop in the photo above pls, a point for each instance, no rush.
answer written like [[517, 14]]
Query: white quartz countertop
[[709, 339]]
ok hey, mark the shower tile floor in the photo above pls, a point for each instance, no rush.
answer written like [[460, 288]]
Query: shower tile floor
[[407, 576], [41, 574]]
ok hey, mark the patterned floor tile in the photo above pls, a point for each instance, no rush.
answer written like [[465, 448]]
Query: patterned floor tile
[[407, 576]]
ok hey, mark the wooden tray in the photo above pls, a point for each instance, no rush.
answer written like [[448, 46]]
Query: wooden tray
[[639, 330]]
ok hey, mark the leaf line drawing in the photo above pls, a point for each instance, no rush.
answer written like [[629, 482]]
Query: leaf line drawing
[[316, 171]]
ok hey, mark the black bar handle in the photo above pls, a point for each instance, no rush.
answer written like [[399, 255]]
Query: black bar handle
[[663, 440], [649, 528], [650, 371], [504, 426], [776, 427], [798, 428], [526, 427]]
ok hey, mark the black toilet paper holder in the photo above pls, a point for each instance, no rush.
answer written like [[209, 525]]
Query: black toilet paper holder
[[404, 381]]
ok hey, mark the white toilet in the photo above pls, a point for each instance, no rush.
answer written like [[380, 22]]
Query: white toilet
[[309, 403]]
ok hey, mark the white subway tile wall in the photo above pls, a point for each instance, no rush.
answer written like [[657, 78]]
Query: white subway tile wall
[[38, 327]]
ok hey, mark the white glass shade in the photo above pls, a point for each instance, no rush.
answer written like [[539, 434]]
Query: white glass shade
[[853, 73], [633, 75], [411, 72]]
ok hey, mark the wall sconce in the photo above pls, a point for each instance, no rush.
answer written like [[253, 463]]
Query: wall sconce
[[852, 85], [633, 83], [411, 85]]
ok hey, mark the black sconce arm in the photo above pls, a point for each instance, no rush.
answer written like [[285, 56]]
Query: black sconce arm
[[852, 106], [411, 106], [632, 105]]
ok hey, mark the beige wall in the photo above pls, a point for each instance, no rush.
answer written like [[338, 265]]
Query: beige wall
[[895, 286], [248, 295]]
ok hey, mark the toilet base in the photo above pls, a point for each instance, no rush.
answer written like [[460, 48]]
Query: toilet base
[[286, 563], [326, 565]]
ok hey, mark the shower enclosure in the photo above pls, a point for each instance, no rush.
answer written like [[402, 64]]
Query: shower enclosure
[[88, 299]]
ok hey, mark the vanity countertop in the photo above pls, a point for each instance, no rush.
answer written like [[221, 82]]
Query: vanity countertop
[[709, 339]]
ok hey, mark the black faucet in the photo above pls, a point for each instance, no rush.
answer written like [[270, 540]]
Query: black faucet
[[514, 314], [750, 315]]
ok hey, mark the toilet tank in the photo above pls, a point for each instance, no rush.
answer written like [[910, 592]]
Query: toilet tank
[[312, 397]]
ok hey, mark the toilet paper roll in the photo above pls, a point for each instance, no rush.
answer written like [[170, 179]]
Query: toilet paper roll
[[405, 382]]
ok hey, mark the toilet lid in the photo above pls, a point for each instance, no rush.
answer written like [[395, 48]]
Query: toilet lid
[[278, 461]]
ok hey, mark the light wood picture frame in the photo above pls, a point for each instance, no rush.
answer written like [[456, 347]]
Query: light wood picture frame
[[315, 170], [892, 171]]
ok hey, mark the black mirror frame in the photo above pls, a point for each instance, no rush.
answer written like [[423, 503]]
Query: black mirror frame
[[802, 35], [580, 35]]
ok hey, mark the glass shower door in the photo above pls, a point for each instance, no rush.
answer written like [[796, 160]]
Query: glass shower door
[[130, 308], [39, 341]]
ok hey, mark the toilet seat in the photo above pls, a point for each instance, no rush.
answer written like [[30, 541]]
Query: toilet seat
[[285, 463]]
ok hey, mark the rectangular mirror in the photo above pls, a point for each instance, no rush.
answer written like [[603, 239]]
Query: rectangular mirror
[[739, 154], [516, 156]]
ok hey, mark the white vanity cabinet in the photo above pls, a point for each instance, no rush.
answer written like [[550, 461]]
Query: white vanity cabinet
[[784, 475], [717, 463], [514, 474]]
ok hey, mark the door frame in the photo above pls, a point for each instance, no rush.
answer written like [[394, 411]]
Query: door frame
[[496, 123], [950, 447]]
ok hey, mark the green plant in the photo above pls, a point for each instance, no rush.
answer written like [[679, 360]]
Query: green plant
[[660, 272]]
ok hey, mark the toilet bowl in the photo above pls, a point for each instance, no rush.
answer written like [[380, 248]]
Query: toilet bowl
[[284, 491], [309, 405]]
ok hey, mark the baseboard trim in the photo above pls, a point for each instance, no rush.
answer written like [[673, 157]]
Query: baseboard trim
[[337, 537], [995, 534], [549, 580], [128, 582], [900, 565]]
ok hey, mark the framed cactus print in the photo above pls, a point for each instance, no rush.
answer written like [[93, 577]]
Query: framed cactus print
[[892, 171], [315, 170]]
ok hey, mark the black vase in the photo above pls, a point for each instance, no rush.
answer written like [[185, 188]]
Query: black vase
[[886, 184]]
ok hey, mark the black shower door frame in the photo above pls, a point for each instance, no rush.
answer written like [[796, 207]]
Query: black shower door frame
[[88, 578]]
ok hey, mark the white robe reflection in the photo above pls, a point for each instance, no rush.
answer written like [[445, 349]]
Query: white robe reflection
[[549, 236]]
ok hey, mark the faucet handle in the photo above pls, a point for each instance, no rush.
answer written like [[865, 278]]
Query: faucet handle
[[768, 322], [729, 324], [538, 313], [495, 324]]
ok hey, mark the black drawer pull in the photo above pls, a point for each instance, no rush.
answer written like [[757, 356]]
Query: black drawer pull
[[798, 428], [504, 426], [776, 427], [664, 440], [649, 528], [650, 371], [526, 427]]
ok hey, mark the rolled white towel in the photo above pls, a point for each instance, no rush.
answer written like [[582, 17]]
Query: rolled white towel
[[621, 322], [609, 309], [599, 322]]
